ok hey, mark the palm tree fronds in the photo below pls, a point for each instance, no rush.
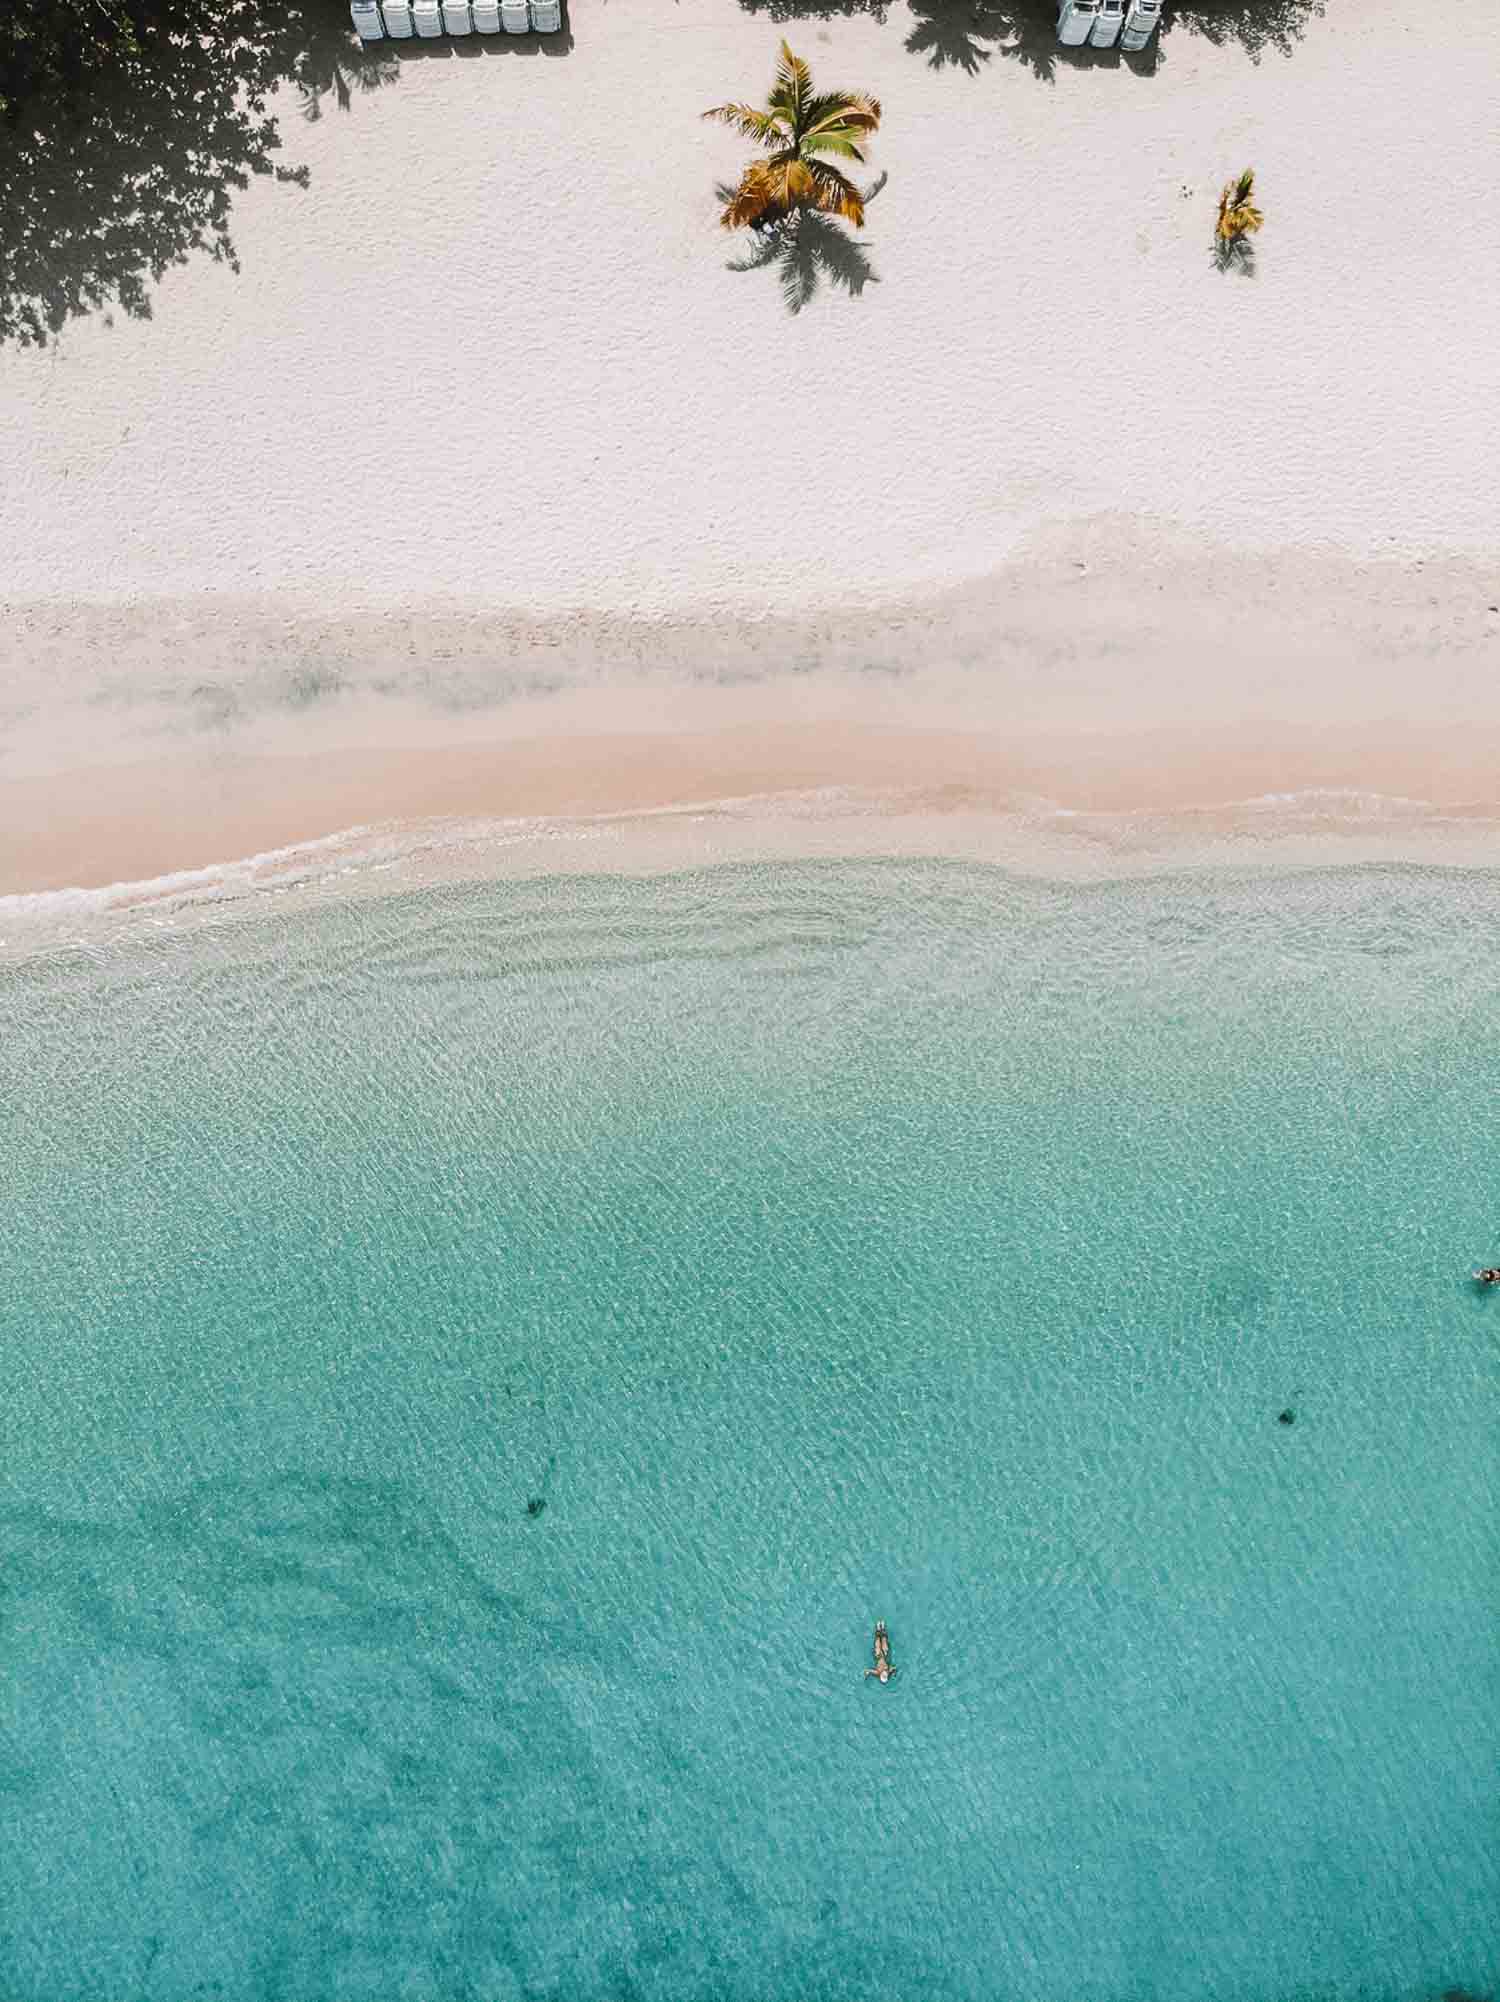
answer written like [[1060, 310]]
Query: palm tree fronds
[[793, 82], [751, 202], [768, 191], [763, 126], [843, 107], [836, 194], [797, 127], [837, 143], [1238, 215]]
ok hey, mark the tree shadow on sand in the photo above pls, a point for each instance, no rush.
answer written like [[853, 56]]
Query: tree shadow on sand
[[1236, 254], [126, 130], [968, 34], [807, 251]]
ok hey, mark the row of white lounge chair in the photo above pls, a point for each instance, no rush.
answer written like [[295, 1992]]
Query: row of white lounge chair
[[398, 19]]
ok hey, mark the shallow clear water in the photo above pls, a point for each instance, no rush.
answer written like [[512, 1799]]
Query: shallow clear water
[[814, 1243]]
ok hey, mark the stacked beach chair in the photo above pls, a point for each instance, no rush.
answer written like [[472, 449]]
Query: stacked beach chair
[[377, 20], [1104, 23]]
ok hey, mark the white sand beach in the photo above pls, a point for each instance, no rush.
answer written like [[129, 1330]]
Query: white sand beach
[[487, 487]]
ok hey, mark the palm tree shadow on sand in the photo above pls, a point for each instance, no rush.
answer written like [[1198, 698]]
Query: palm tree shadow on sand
[[808, 251], [1234, 253], [340, 74], [967, 34]]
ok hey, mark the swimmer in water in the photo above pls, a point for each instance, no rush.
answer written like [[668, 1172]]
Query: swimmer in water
[[883, 1666], [1489, 1275]]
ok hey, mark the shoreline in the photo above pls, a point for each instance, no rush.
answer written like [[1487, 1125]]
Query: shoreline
[[146, 739], [1272, 837], [112, 827]]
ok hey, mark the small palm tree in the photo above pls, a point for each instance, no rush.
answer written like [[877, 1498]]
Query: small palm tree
[[797, 128], [1238, 215]]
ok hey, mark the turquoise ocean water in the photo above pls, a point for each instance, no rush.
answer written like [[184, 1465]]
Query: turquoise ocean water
[[478, 1360]]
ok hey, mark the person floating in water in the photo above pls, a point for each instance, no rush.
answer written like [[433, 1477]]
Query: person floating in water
[[1489, 1275], [883, 1664]]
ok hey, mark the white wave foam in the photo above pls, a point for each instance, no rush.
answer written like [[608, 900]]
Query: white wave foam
[[1027, 833]]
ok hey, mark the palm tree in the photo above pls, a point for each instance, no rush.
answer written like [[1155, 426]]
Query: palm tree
[[796, 128], [1238, 215]]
